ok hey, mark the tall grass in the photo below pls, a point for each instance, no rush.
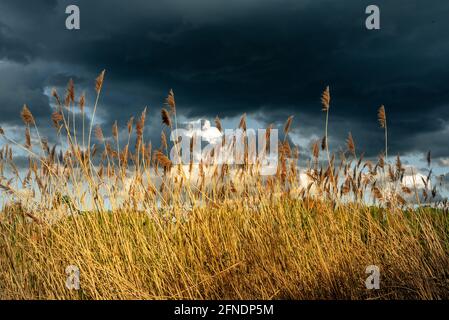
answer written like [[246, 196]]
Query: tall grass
[[139, 226]]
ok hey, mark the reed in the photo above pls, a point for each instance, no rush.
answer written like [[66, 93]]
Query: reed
[[382, 117], [140, 226]]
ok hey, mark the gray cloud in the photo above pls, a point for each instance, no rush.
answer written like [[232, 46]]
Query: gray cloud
[[270, 58]]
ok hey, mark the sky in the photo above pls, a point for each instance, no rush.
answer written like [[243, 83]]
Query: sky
[[268, 58]]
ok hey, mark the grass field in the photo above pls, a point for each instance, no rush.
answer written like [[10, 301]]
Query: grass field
[[139, 226]]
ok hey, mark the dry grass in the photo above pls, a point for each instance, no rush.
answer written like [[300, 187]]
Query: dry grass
[[139, 226], [282, 249]]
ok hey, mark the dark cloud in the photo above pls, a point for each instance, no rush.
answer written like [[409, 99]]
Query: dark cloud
[[270, 58]]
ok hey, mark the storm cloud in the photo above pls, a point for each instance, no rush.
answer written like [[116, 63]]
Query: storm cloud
[[268, 58]]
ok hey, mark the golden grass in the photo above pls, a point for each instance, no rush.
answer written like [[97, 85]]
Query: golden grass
[[226, 233], [280, 249]]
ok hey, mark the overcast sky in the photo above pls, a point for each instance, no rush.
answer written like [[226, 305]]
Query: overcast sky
[[268, 58]]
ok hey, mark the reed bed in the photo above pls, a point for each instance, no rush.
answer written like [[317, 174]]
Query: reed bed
[[139, 226]]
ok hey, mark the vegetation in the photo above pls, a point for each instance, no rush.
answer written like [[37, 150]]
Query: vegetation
[[140, 227]]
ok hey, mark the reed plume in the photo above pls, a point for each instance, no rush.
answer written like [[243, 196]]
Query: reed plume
[[323, 143], [287, 126], [162, 159], [82, 103], [326, 99], [55, 95], [242, 124], [129, 125], [399, 167], [268, 132], [99, 81], [170, 101], [350, 144], [315, 150], [218, 124], [382, 117], [70, 100], [139, 132], [27, 138], [268, 137], [325, 102], [98, 87], [140, 125], [99, 133], [70, 94], [166, 117], [27, 116], [164, 141], [56, 118], [115, 130], [28, 119]]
